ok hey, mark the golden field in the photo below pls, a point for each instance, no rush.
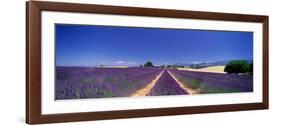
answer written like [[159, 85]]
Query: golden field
[[214, 69]]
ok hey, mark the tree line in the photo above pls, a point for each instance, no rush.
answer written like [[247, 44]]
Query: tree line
[[239, 66]]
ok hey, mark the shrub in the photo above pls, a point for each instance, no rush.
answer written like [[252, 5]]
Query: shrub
[[237, 66]]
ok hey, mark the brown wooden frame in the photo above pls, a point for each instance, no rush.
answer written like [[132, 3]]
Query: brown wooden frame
[[33, 61]]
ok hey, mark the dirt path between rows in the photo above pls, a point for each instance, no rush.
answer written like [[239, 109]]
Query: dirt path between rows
[[144, 91], [187, 89]]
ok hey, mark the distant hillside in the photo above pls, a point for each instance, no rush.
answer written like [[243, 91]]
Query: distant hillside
[[206, 64]]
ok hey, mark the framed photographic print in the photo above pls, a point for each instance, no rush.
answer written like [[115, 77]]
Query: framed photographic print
[[93, 62]]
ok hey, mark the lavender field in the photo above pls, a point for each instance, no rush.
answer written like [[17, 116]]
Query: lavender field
[[166, 85], [72, 83], [87, 82], [204, 82]]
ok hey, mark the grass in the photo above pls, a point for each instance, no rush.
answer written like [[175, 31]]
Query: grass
[[204, 89], [87, 81], [194, 84], [105, 93]]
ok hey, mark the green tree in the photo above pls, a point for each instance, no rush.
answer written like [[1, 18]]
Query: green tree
[[148, 64], [237, 66], [251, 68]]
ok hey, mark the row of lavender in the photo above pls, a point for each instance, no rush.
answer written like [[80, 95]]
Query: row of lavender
[[75, 82], [166, 85], [215, 82]]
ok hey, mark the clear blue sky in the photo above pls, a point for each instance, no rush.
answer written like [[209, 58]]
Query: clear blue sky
[[87, 45]]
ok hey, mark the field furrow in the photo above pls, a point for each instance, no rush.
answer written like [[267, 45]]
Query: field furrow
[[146, 90], [166, 85]]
